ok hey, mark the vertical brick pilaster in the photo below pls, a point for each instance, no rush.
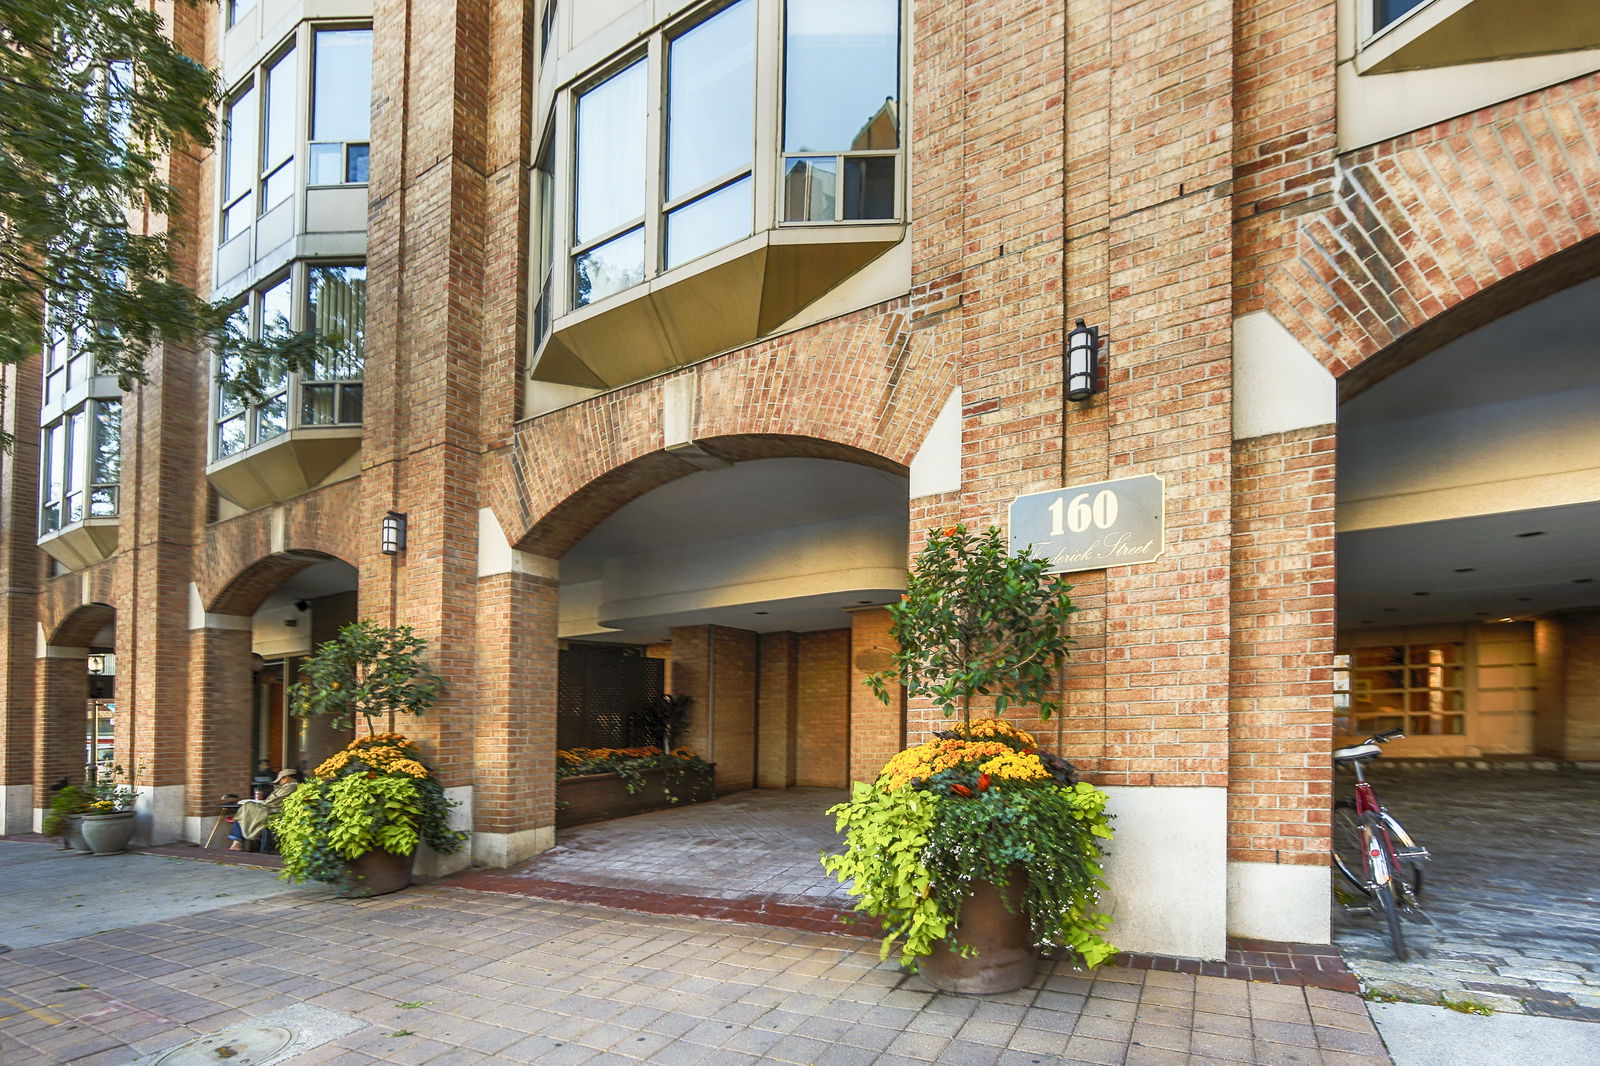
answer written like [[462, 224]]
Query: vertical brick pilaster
[[19, 607], [63, 694], [822, 755], [877, 729], [779, 682], [219, 717], [717, 667], [514, 722]]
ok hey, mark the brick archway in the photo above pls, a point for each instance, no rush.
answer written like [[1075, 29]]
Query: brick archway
[[1434, 233], [864, 388], [78, 628], [248, 589]]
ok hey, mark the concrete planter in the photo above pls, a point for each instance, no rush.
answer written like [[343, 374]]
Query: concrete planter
[[598, 797], [108, 834], [74, 834]]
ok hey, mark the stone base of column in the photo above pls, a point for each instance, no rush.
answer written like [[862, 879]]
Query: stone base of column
[[17, 813], [160, 816], [499, 850]]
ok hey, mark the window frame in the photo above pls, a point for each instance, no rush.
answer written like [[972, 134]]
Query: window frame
[[765, 172], [78, 430], [298, 278], [345, 147]]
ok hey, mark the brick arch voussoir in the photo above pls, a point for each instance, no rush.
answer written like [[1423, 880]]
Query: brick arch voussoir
[[247, 590], [572, 518], [1414, 250], [78, 628]]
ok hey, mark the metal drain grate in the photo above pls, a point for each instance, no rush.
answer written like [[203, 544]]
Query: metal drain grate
[[238, 1045]]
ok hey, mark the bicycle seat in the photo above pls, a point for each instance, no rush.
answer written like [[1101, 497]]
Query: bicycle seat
[[1356, 753]]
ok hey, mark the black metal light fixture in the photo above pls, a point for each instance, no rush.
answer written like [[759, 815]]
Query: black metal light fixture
[[96, 664], [1083, 358], [393, 540]]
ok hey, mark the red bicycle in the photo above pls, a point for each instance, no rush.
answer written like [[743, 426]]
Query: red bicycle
[[1371, 850]]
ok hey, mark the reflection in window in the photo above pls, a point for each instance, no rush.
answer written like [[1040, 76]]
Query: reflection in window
[[341, 109], [611, 134], [611, 185], [841, 101], [336, 310], [1387, 11], [237, 9], [80, 465], [239, 164], [277, 182], [710, 134]]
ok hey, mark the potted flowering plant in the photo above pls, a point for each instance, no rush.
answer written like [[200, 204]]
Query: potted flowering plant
[[593, 784], [976, 848], [108, 818], [357, 823]]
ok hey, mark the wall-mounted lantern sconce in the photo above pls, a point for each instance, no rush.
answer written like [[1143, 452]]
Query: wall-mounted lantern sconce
[[97, 664], [393, 541], [1083, 358]]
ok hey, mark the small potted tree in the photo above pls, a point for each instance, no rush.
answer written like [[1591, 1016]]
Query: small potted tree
[[977, 847], [357, 822]]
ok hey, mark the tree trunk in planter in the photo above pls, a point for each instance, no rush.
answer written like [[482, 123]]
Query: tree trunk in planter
[[377, 873], [108, 834], [1005, 960]]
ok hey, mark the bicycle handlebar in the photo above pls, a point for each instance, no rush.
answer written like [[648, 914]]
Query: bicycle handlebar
[[1385, 737]]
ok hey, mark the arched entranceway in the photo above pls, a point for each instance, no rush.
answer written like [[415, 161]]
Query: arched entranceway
[[79, 736], [247, 640], [1469, 617], [1469, 568], [759, 587]]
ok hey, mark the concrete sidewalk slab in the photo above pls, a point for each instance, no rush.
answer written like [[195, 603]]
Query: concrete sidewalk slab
[[442, 976], [1419, 1035], [53, 895]]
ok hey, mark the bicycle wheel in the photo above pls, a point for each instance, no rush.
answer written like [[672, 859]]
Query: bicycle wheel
[[1409, 870], [1348, 861], [1382, 871]]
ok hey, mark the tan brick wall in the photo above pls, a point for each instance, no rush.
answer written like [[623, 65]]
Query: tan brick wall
[[877, 730], [779, 684], [822, 706], [1281, 706], [716, 667], [1581, 686]]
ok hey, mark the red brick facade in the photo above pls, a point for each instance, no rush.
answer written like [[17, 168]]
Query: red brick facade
[[1155, 169]]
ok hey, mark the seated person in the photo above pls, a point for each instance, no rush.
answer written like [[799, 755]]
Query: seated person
[[255, 813]]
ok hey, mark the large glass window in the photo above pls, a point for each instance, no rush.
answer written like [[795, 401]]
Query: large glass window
[[341, 106], [646, 200], [239, 163], [711, 134], [336, 307], [609, 227], [1387, 11], [544, 242], [80, 465], [841, 116], [277, 169], [329, 299]]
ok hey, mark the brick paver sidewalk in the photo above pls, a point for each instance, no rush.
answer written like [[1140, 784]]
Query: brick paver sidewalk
[[451, 976]]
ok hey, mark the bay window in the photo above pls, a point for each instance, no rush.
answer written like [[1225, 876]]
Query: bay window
[[327, 299], [711, 180], [80, 438], [341, 106]]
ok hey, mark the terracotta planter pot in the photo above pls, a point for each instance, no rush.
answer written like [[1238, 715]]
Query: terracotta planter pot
[[108, 834], [377, 873], [1005, 960], [74, 834]]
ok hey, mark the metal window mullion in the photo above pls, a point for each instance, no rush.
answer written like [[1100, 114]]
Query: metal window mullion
[[655, 161], [610, 235], [714, 185]]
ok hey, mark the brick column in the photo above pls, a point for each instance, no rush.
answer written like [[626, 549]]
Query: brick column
[[511, 803], [775, 735], [717, 667], [19, 607], [62, 677], [218, 727], [877, 730]]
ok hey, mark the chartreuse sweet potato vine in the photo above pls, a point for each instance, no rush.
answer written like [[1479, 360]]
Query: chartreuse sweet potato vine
[[973, 805], [375, 795]]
